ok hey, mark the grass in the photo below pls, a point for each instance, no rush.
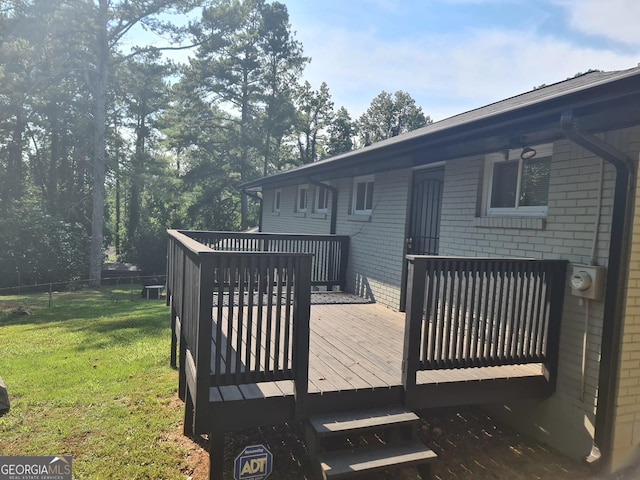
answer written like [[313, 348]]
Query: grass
[[89, 377]]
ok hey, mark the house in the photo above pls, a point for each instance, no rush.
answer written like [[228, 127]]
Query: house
[[550, 175]]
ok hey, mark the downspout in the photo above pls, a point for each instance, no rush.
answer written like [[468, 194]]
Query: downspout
[[334, 204], [614, 297], [259, 199]]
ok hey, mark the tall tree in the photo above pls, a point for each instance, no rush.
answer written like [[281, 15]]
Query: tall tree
[[245, 61], [341, 132], [145, 94], [315, 112], [111, 20], [282, 66], [388, 116]]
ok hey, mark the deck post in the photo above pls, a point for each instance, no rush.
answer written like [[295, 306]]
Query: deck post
[[203, 355], [344, 262], [187, 427], [556, 291], [413, 323], [216, 455], [301, 317], [182, 372], [174, 340]]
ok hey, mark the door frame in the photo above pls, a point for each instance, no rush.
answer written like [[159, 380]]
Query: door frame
[[407, 229]]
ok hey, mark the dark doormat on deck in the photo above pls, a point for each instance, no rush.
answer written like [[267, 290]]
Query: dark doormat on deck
[[317, 298]]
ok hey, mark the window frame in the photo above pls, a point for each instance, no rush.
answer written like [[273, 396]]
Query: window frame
[[318, 207], [300, 189], [543, 151], [366, 179], [277, 200]]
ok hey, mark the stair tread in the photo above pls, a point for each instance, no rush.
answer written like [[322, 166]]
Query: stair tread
[[336, 423], [368, 459]]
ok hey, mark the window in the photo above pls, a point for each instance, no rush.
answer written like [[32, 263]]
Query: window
[[303, 194], [517, 186], [276, 200], [363, 195], [322, 199]]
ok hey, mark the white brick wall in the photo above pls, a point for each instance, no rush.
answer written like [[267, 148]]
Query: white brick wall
[[376, 246], [290, 221]]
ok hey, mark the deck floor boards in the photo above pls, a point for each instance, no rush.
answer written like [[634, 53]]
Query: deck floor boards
[[358, 346]]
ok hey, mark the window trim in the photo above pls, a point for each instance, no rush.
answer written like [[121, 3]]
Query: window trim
[[491, 159], [277, 200], [324, 209], [366, 179], [304, 209]]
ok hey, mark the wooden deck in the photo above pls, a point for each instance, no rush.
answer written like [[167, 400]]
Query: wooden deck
[[355, 361]]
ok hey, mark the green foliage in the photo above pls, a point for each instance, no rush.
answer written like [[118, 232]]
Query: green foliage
[[341, 131], [388, 116], [125, 145], [40, 248], [315, 113], [148, 249]]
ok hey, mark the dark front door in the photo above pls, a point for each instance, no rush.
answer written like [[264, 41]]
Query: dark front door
[[423, 228], [426, 205]]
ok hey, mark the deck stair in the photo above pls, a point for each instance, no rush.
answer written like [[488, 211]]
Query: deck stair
[[351, 444]]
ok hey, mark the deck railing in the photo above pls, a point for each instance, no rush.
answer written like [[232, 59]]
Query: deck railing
[[330, 252], [472, 312], [238, 318]]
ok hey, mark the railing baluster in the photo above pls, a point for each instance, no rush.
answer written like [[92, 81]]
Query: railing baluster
[[269, 339], [279, 358], [221, 273], [457, 331], [242, 275], [227, 352], [288, 347], [251, 363]]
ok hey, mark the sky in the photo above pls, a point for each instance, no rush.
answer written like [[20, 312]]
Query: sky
[[452, 56]]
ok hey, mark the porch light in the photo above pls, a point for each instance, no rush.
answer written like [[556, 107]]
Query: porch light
[[528, 153]]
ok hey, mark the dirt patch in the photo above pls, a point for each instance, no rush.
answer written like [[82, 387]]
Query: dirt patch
[[469, 444]]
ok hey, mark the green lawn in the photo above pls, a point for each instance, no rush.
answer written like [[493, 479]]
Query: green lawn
[[90, 377]]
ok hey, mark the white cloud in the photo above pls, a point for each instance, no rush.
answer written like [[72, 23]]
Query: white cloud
[[612, 19], [446, 74]]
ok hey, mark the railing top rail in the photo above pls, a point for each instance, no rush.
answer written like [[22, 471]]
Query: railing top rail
[[260, 234], [189, 243], [200, 249], [426, 258], [235, 253]]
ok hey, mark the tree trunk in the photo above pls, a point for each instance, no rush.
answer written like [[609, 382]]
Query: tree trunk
[[13, 182], [137, 170], [99, 164], [244, 158]]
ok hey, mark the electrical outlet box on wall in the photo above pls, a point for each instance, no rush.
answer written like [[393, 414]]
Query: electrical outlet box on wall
[[587, 281]]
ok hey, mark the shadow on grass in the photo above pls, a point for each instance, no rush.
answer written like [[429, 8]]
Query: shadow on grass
[[105, 317]]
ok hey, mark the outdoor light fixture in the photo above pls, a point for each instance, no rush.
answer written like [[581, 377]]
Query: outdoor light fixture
[[528, 153]]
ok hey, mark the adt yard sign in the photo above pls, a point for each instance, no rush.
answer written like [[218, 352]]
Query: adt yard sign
[[254, 463]]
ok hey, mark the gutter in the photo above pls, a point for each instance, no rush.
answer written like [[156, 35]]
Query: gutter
[[614, 298], [259, 199], [334, 203]]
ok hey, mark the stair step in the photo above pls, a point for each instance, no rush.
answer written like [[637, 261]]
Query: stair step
[[362, 420], [350, 463]]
